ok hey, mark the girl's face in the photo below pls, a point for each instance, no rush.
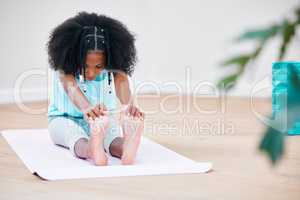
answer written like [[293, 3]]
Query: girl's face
[[95, 63]]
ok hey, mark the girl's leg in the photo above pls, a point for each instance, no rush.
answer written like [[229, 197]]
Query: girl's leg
[[81, 148], [113, 139], [95, 146], [126, 147], [132, 129], [116, 147], [67, 133]]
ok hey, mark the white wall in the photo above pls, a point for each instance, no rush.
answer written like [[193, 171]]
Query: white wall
[[171, 35]]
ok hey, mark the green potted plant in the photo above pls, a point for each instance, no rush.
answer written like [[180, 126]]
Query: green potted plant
[[273, 140]]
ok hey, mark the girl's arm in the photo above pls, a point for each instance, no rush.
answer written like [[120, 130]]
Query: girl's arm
[[124, 94], [122, 88], [77, 97]]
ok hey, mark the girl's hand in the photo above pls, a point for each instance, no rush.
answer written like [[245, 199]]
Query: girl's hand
[[95, 112], [133, 111]]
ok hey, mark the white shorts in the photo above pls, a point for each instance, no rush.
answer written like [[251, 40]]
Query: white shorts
[[66, 131]]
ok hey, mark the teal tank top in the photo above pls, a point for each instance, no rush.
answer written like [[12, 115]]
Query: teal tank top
[[96, 91]]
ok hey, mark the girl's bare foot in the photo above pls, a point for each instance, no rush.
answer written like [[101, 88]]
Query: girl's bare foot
[[96, 151], [132, 132]]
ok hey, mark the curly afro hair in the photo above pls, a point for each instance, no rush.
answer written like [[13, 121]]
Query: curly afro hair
[[66, 53]]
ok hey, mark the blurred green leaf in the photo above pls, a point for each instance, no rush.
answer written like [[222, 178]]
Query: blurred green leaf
[[257, 50], [237, 60], [288, 33], [260, 34], [273, 144], [228, 81]]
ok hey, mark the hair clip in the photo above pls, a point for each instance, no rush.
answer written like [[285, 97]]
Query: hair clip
[[82, 80]]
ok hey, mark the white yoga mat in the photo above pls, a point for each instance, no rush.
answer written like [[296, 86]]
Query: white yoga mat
[[35, 148]]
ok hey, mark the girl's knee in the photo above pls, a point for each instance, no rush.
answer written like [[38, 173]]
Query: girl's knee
[[55, 129]]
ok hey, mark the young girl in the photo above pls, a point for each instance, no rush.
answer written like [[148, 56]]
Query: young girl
[[92, 56]]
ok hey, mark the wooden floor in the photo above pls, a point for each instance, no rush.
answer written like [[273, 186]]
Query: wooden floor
[[227, 137]]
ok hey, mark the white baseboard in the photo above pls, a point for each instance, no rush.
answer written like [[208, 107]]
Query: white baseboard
[[208, 90], [41, 94]]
